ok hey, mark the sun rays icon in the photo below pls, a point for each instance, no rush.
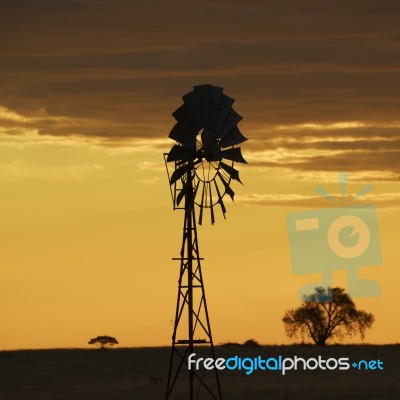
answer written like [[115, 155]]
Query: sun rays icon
[[343, 187], [343, 237]]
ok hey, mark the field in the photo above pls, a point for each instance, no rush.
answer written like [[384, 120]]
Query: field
[[140, 373]]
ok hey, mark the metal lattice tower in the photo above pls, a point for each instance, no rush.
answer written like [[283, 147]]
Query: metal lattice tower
[[203, 160]]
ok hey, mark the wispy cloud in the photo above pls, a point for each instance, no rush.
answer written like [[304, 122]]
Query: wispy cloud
[[374, 156], [382, 200], [149, 181], [151, 166], [21, 169], [323, 126], [7, 115]]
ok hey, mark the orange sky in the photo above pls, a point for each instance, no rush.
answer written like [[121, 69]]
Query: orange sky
[[87, 90]]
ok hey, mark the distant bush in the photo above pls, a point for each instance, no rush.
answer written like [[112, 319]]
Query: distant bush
[[230, 344], [103, 342], [251, 343], [247, 343]]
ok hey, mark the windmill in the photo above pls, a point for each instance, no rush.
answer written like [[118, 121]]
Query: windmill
[[200, 169]]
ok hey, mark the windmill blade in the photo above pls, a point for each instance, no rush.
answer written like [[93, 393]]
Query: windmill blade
[[233, 137], [232, 119], [197, 103], [209, 97], [234, 154], [233, 173], [179, 153], [182, 194], [207, 87], [183, 135], [228, 190], [179, 172], [220, 201], [222, 110], [190, 98], [182, 113]]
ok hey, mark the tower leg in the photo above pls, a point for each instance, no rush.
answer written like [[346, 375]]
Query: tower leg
[[191, 319]]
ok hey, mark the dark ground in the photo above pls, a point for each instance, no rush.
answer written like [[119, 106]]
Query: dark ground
[[140, 373]]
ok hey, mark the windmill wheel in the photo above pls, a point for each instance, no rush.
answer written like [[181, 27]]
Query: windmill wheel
[[207, 137]]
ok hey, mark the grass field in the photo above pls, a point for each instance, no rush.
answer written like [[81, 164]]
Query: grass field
[[140, 373]]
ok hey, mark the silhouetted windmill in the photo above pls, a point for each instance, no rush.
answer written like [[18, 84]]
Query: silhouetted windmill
[[202, 164]]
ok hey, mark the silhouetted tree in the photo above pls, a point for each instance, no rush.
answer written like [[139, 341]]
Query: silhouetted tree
[[103, 342], [320, 320]]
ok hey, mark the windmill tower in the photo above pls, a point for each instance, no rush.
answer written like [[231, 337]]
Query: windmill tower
[[200, 170]]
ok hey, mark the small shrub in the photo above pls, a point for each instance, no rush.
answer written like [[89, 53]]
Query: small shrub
[[251, 343]]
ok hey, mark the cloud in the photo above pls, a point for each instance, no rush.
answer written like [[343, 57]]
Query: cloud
[[318, 85], [322, 127], [132, 62], [125, 24], [375, 157], [381, 200], [303, 148], [7, 116]]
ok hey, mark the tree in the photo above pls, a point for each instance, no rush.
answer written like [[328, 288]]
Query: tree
[[320, 320], [104, 342]]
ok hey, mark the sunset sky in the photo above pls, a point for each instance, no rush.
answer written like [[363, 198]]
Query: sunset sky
[[87, 230]]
